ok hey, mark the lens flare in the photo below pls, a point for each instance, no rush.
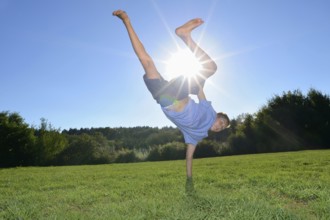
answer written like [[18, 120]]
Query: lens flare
[[182, 62]]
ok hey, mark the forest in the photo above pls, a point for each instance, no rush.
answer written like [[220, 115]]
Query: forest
[[288, 122]]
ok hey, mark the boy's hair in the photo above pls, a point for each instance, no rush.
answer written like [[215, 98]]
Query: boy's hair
[[224, 116]]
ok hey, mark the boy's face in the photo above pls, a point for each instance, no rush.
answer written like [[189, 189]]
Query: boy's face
[[219, 125]]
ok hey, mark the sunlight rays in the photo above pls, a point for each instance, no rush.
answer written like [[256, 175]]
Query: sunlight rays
[[182, 62], [179, 61], [169, 31], [204, 27]]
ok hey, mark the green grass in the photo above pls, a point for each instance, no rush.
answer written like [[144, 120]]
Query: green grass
[[293, 185]]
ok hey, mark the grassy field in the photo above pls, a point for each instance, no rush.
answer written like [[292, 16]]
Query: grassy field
[[293, 185]]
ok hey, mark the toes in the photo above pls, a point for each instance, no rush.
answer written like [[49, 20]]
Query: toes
[[118, 12]]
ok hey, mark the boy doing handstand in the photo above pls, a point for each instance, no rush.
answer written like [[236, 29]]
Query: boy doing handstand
[[193, 119]]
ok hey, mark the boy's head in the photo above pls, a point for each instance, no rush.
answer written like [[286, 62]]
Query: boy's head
[[221, 122]]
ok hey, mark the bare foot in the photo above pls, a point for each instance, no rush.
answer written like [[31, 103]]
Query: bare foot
[[121, 14], [185, 30]]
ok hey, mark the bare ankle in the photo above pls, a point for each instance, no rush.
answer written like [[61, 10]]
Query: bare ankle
[[126, 21], [182, 34]]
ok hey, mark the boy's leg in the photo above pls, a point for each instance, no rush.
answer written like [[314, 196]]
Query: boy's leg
[[209, 67], [146, 61]]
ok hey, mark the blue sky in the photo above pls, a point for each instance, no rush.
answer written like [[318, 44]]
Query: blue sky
[[71, 62]]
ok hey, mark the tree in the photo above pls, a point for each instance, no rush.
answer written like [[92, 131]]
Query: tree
[[291, 121], [50, 142], [16, 141], [86, 149], [317, 124]]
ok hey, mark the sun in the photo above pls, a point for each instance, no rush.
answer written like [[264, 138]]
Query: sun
[[182, 62]]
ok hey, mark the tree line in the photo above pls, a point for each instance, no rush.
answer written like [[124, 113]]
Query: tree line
[[288, 122]]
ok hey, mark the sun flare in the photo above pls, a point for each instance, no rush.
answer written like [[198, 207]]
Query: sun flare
[[182, 62]]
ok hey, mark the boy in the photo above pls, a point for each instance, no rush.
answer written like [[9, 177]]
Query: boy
[[193, 119]]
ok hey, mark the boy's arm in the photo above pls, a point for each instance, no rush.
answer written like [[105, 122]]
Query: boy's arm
[[201, 95], [189, 159]]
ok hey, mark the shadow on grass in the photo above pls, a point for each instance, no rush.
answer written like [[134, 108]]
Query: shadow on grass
[[197, 206], [190, 190]]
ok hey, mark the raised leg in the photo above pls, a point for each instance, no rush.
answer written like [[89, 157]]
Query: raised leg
[[145, 59], [184, 32]]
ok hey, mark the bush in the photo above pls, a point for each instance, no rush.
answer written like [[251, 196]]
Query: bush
[[206, 148], [85, 149], [169, 151], [127, 156]]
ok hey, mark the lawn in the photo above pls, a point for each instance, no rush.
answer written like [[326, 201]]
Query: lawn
[[292, 185]]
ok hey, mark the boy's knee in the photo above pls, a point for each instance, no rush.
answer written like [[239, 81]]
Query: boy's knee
[[208, 73], [152, 75]]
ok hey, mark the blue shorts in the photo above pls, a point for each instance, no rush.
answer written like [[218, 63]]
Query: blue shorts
[[166, 92]]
